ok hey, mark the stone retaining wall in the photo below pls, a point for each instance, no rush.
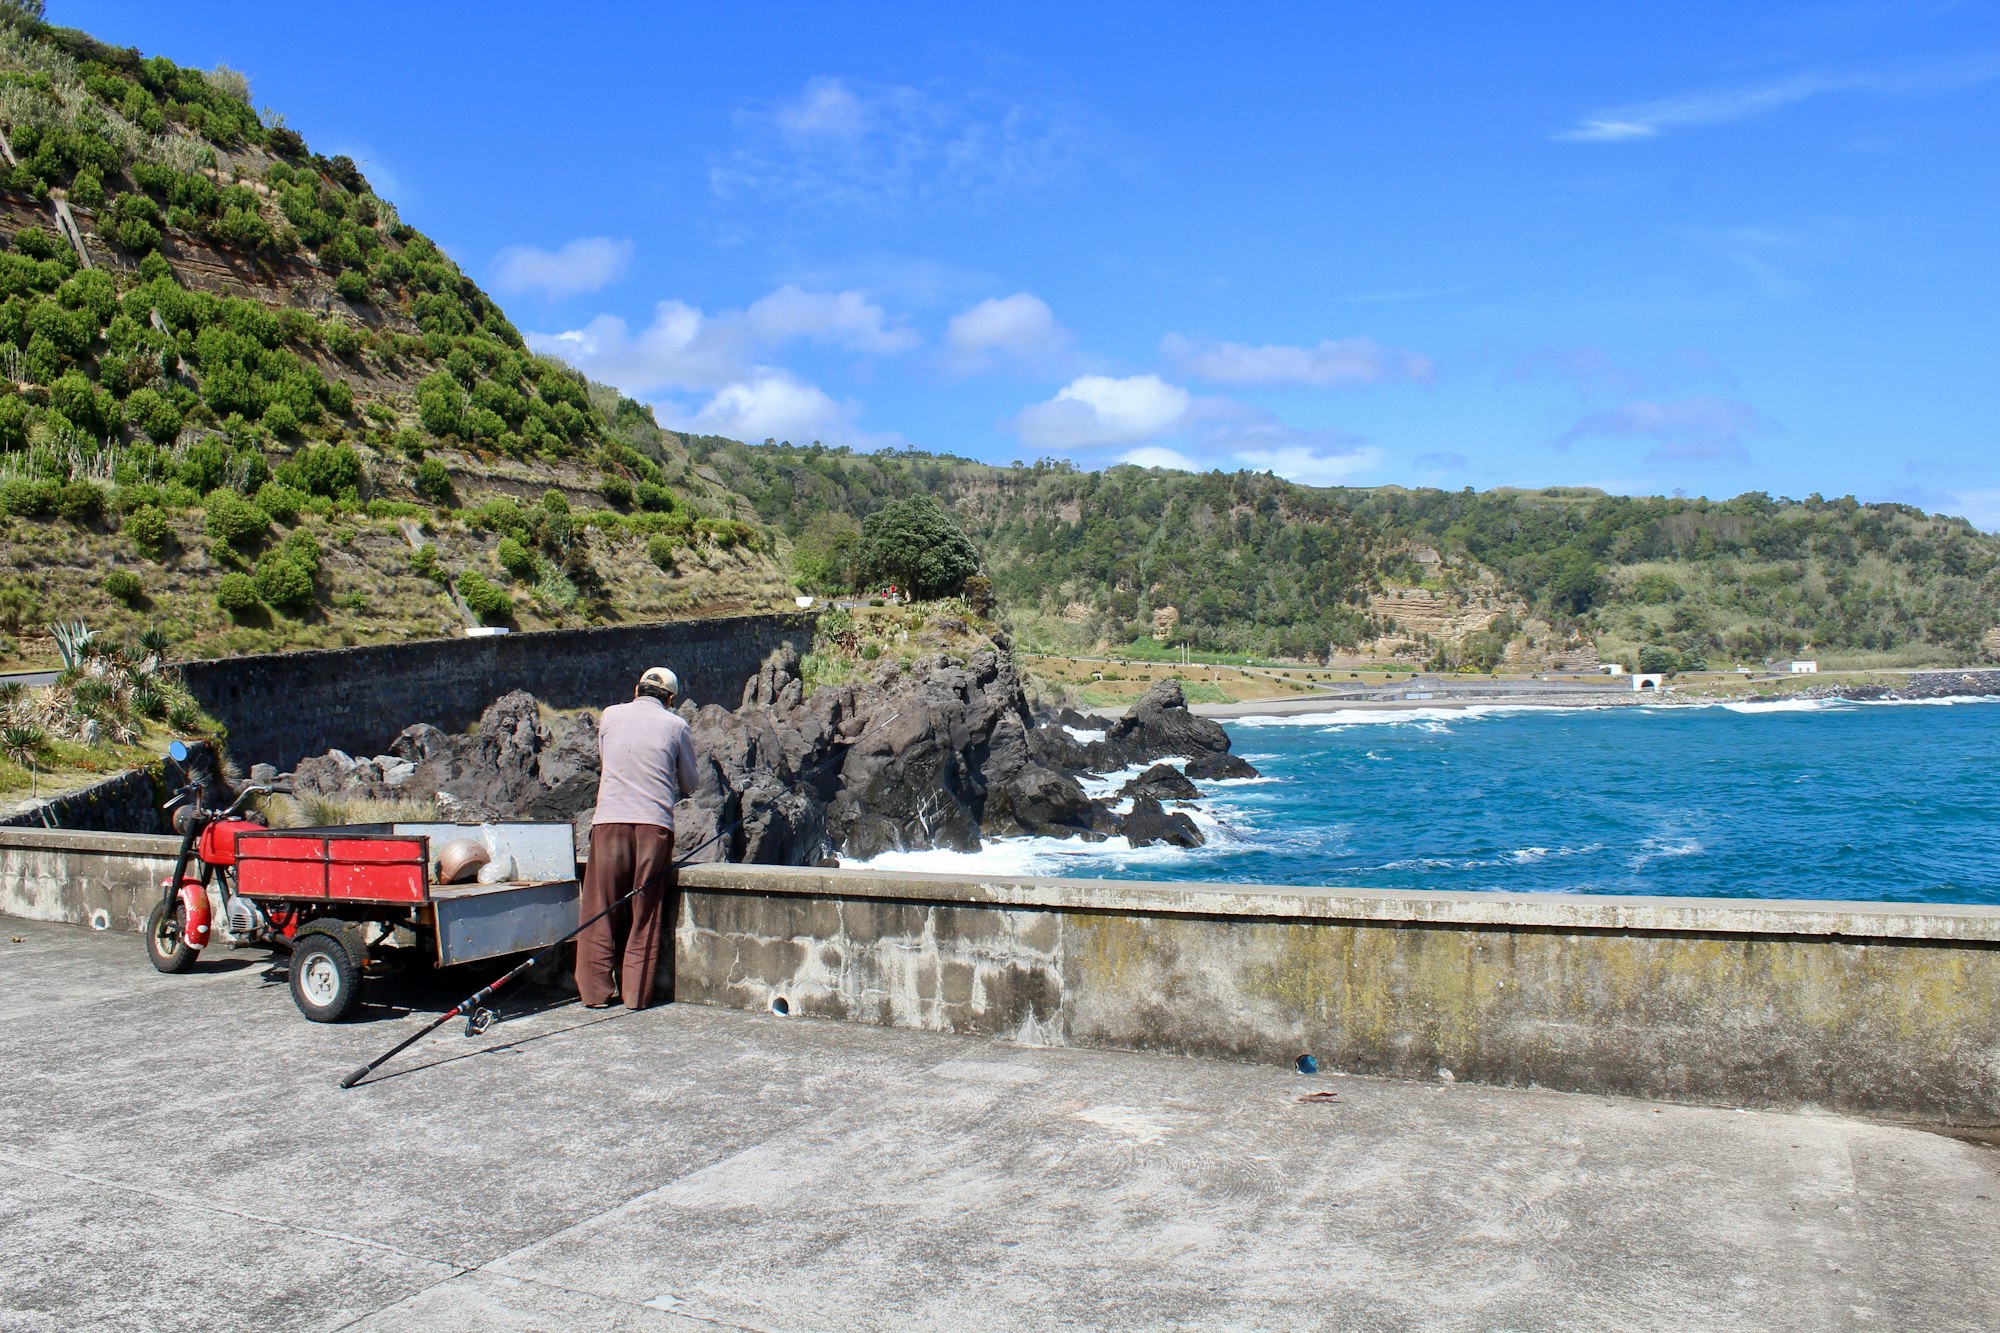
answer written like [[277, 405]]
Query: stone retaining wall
[[1878, 1009], [281, 707], [126, 803]]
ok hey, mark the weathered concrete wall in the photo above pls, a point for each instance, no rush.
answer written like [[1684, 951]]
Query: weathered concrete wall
[[126, 803], [1876, 1009], [66, 875], [281, 707]]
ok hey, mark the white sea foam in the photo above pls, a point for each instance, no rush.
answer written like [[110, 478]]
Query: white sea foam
[[1757, 706], [1517, 856], [1083, 735], [1428, 719]]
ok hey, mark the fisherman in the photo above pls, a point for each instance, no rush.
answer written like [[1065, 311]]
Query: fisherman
[[646, 754]]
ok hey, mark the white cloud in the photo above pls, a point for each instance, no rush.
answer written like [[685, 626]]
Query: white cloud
[[1021, 324], [1101, 410], [1333, 363], [856, 145], [1019, 328], [685, 348], [1718, 106], [587, 264], [681, 348], [826, 107], [1154, 455], [1309, 466], [773, 405], [846, 319]]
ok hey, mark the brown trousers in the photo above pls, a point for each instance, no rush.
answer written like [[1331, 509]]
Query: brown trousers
[[622, 952]]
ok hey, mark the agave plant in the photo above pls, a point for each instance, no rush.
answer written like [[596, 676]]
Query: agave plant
[[154, 640], [146, 699], [183, 716], [73, 639], [24, 742]]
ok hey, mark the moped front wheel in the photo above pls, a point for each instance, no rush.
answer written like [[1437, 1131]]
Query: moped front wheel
[[166, 938]]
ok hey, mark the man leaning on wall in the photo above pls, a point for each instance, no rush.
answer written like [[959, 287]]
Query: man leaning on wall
[[646, 753]]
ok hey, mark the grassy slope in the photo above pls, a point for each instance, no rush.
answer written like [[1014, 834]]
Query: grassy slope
[[358, 335]]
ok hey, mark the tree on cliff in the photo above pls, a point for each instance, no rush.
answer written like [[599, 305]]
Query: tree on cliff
[[917, 544]]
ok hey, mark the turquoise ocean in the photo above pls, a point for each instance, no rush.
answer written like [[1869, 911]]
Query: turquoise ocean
[[1797, 799]]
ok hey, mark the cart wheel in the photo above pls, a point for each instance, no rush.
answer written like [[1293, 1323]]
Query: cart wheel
[[166, 940], [326, 985]]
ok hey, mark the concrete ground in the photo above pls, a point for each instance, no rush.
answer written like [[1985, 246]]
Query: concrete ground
[[174, 1154]]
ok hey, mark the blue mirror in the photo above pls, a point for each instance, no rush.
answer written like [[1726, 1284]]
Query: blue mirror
[[178, 752]]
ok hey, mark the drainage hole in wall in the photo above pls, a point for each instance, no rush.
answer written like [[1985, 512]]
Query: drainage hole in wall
[[779, 1007], [1305, 1064], [100, 919]]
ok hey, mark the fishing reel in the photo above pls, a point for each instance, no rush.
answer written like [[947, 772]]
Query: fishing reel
[[478, 1021]]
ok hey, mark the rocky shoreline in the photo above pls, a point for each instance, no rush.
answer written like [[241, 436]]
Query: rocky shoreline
[[942, 754]]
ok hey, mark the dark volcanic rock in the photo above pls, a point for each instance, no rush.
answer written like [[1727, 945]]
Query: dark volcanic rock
[[1219, 768], [1162, 782], [1148, 824], [941, 754], [1159, 725]]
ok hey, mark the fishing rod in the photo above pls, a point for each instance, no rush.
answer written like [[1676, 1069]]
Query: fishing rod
[[478, 1018]]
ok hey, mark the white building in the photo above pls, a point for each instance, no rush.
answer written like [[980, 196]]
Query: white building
[[1611, 668], [1649, 680], [1798, 666]]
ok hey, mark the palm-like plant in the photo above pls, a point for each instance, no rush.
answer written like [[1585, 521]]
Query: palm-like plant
[[24, 742]]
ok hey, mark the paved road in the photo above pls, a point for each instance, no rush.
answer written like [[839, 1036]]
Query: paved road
[[174, 1155]]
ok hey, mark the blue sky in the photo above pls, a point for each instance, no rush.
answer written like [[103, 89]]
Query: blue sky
[[1650, 247]]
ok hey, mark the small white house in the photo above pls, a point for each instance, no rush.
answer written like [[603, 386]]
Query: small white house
[[1611, 668], [1648, 680], [1798, 666]]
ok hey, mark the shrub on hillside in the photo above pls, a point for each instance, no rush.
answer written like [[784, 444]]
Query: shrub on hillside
[[616, 491], [80, 501], [331, 470], [660, 550], [231, 519], [149, 530], [284, 582], [124, 585], [433, 482], [237, 594], [26, 497], [424, 564], [485, 600], [280, 501], [281, 420], [517, 560], [155, 414]]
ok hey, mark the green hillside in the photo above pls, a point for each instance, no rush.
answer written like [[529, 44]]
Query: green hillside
[[1250, 563], [242, 401]]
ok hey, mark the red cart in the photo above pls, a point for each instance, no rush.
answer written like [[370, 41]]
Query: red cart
[[354, 894], [352, 899]]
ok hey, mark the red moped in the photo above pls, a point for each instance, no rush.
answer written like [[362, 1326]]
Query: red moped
[[178, 928]]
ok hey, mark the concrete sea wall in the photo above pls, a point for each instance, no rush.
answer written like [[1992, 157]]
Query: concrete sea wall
[[281, 707], [1875, 1009], [1867, 1008], [70, 875]]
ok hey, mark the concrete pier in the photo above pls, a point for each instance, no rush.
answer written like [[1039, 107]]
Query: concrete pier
[[174, 1155]]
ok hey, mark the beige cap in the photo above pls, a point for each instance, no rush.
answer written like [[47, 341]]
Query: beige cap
[[661, 678]]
